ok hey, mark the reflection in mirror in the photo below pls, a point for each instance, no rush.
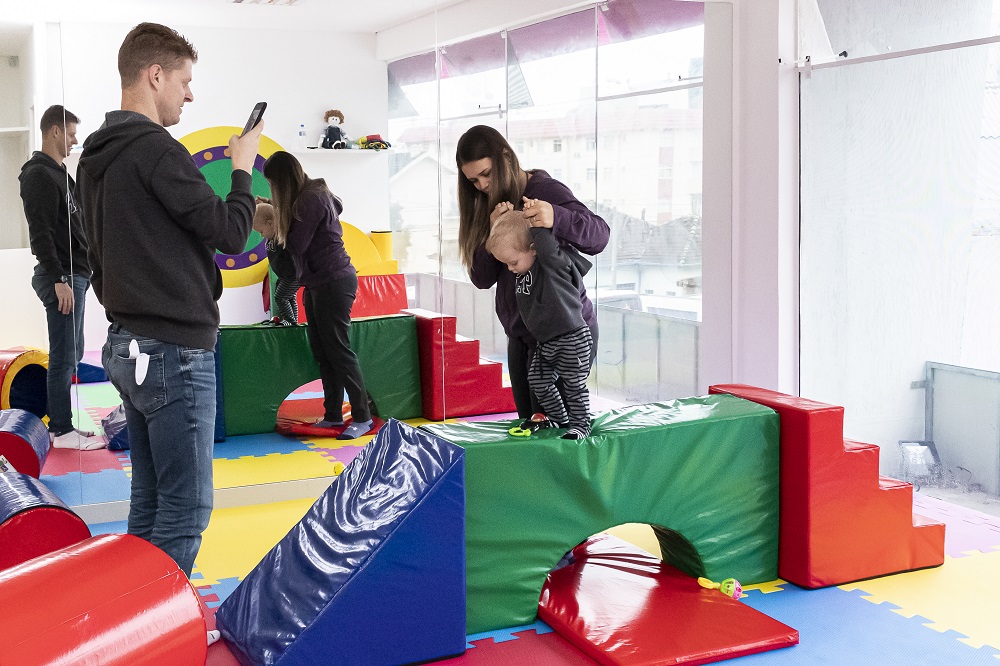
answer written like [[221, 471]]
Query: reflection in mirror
[[45, 264]]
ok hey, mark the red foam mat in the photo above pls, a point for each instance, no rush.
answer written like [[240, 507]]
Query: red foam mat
[[298, 417], [622, 606]]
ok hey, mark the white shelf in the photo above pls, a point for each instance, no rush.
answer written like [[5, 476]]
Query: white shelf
[[342, 151], [14, 130]]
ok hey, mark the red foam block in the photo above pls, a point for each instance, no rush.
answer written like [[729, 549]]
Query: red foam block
[[549, 649], [377, 295], [623, 607], [840, 521], [114, 600]]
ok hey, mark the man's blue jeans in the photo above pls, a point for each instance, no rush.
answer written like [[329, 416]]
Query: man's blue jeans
[[65, 348], [171, 429]]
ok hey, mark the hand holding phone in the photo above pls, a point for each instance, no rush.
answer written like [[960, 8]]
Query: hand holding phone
[[255, 117], [243, 148]]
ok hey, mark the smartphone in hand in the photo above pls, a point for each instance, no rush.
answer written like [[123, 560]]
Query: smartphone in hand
[[255, 117]]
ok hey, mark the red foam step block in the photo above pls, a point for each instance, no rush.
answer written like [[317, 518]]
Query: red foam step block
[[622, 606], [454, 381], [114, 600], [840, 520]]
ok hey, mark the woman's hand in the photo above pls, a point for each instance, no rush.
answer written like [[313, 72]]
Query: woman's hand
[[501, 208], [539, 213], [260, 200]]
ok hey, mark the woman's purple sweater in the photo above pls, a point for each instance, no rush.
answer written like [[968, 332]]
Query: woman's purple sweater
[[315, 238], [573, 224]]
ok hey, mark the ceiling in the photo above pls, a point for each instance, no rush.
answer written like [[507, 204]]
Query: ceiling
[[367, 16]]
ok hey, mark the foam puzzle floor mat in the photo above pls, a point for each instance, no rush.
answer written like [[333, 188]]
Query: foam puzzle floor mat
[[85, 477], [942, 616], [946, 615]]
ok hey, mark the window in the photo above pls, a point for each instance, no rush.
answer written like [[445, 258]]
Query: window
[[648, 183]]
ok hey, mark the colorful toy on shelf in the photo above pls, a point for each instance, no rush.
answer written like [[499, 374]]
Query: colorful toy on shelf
[[729, 587], [373, 142]]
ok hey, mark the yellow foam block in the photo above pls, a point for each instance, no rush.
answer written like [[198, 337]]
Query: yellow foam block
[[271, 468], [960, 595], [237, 538]]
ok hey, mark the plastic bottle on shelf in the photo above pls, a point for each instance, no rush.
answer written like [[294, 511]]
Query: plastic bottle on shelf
[[303, 143]]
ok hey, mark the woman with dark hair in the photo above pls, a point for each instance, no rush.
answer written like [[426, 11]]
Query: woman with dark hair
[[491, 182], [307, 222]]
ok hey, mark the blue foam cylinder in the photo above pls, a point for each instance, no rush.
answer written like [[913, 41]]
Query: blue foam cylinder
[[375, 571], [24, 441]]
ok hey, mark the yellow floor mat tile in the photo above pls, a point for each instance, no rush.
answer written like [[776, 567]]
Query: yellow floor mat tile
[[271, 468], [960, 595], [237, 538]]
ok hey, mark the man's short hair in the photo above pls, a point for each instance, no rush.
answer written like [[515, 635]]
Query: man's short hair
[[149, 44], [56, 115]]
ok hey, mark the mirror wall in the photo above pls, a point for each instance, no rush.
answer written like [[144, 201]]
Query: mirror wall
[[607, 100], [31, 169]]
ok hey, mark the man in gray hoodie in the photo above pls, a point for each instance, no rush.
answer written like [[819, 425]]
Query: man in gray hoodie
[[154, 225]]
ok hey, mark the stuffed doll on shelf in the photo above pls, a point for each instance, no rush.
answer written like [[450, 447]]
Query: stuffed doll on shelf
[[334, 135]]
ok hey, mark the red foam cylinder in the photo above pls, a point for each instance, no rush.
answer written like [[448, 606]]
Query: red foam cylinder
[[24, 441], [33, 521], [37, 532], [114, 600]]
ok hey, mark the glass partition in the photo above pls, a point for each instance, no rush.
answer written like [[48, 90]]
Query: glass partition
[[899, 252]]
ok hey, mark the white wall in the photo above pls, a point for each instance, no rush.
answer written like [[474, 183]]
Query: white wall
[[23, 321], [299, 74], [765, 216]]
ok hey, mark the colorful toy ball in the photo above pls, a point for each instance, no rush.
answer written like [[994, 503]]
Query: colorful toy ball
[[730, 587]]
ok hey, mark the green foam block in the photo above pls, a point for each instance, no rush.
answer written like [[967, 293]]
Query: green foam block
[[704, 469], [262, 365]]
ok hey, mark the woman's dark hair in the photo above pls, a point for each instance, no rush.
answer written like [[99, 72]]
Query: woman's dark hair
[[287, 179], [506, 184]]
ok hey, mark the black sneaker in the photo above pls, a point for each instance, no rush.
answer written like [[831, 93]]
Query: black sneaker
[[532, 424]]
